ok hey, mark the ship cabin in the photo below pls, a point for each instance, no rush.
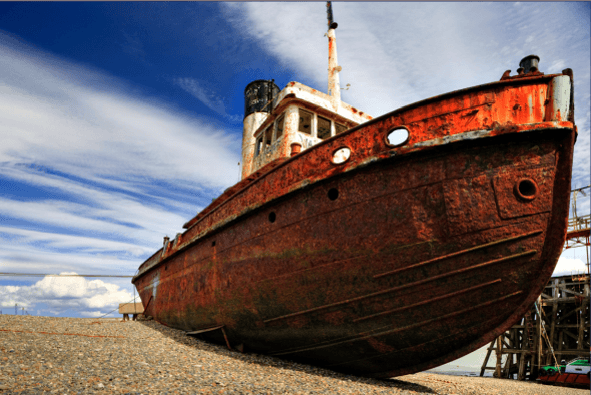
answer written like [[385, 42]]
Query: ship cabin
[[280, 124]]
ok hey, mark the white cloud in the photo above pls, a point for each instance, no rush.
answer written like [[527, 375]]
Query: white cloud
[[71, 242], [557, 66], [94, 297], [568, 266], [394, 54], [85, 123], [21, 257], [124, 171], [101, 231]]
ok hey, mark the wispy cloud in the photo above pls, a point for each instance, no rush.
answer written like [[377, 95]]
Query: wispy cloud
[[207, 96], [125, 170], [106, 214], [86, 124], [394, 54], [57, 242]]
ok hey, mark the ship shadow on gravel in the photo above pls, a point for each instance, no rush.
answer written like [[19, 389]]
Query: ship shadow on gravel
[[181, 337]]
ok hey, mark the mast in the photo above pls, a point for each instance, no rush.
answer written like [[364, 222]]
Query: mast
[[334, 87]]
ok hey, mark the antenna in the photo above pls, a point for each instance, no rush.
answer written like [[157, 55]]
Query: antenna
[[334, 86], [331, 23]]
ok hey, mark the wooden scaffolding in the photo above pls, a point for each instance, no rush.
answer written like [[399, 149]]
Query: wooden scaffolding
[[557, 326], [562, 333]]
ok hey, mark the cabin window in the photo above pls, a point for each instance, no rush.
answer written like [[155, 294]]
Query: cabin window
[[339, 128], [279, 126], [258, 146], [268, 136], [305, 124], [323, 128]]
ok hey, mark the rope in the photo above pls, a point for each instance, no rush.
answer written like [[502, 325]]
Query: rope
[[546, 335], [59, 275]]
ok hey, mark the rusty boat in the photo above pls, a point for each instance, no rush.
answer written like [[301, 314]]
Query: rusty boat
[[376, 246]]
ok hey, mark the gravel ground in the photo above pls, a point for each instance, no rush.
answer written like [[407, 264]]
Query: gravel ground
[[83, 356]]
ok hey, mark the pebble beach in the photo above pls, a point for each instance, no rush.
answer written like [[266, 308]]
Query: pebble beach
[[85, 356]]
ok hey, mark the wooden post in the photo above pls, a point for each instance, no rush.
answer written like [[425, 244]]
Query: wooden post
[[581, 329], [560, 340], [499, 356], [537, 355], [509, 363], [522, 346], [490, 348], [521, 373], [554, 318], [539, 330], [564, 312]]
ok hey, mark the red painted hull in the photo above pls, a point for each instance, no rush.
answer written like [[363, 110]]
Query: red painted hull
[[398, 260], [567, 379]]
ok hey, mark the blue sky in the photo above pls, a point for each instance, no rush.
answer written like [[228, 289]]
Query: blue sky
[[120, 121]]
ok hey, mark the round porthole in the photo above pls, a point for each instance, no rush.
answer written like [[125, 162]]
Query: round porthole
[[272, 216], [397, 136], [341, 155], [526, 189]]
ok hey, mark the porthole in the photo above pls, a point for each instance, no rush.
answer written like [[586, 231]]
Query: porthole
[[397, 136], [341, 155], [272, 216], [213, 243], [526, 189], [333, 194]]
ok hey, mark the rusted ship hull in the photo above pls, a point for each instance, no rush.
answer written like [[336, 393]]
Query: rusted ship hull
[[397, 260]]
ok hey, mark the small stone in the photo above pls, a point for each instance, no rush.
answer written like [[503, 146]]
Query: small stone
[[100, 386]]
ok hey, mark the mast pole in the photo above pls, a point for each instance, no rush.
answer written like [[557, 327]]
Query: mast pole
[[334, 87]]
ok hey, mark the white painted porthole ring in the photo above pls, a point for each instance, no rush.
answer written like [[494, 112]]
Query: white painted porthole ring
[[341, 155], [397, 136]]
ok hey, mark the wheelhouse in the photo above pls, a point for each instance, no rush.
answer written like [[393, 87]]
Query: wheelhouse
[[299, 116]]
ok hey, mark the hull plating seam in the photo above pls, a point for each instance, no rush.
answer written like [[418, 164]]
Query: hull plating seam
[[446, 296], [457, 253], [364, 336], [308, 182], [427, 280]]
